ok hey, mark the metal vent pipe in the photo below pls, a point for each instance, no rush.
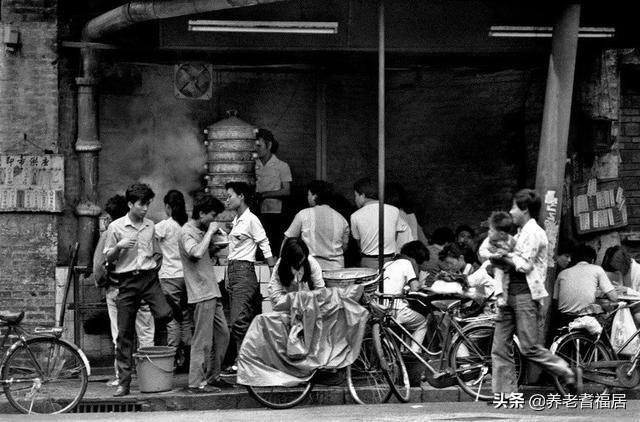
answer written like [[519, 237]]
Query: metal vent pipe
[[88, 143]]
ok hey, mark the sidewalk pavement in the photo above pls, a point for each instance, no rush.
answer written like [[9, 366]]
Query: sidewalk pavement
[[99, 397]]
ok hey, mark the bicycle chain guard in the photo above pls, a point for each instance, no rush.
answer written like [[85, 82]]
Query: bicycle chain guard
[[627, 381], [612, 373]]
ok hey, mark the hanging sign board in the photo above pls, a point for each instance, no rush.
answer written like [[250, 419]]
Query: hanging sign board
[[32, 183], [599, 205]]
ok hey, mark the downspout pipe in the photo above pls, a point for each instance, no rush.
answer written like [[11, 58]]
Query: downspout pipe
[[88, 143]]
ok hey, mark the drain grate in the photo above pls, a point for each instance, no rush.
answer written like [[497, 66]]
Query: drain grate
[[107, 407]]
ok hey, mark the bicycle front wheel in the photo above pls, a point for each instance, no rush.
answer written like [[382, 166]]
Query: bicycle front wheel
[[366, 379], [44, 375], [393, 364], [579, 349], [280, 397], [470, 359]]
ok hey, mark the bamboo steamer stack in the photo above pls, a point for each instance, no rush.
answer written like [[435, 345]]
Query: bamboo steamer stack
[[230, 145]]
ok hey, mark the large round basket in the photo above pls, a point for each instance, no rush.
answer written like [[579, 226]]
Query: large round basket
[[347, 276]]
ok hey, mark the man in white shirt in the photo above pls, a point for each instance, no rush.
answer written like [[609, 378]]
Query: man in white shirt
[[273, 185], [365, 227], [131, 245], [322, 228], [245, 237], [578, 287], [525, 288]]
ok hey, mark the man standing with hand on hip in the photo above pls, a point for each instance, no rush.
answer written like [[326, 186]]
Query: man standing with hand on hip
[[245, 237], [211, 334], [131, 245], [521, 300]]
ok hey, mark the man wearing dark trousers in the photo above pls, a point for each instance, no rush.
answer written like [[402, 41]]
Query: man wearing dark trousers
[[211, 334], [245, 237], [130, 245]]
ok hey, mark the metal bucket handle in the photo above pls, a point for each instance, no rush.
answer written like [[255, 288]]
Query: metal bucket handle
[[157, 367]]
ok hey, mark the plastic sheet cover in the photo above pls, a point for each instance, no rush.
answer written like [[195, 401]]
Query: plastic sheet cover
[[333, 326]]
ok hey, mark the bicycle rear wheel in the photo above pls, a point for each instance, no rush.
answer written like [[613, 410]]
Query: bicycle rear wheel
[[470, 358], [44, 375], [393, 365], [279, 397], [579, 349], [366, 379]]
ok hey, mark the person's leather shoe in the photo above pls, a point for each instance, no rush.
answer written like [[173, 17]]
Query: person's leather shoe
[[220, 383], [121, 391]]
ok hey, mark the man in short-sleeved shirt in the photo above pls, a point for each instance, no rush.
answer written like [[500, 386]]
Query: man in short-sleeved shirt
[[211, 333], [364, 224], [130, 244], [322, 228], [273, 184], [578, 287]]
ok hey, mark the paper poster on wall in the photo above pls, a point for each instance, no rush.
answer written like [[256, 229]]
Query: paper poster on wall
[[33, 183], [599, 205]]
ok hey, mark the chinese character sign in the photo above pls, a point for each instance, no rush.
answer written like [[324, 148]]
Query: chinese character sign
[[31, 183]]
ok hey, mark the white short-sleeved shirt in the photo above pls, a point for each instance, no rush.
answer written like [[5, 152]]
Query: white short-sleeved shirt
[[577, 287], [270, 177], [397, 274], [168, 235], [364, 228], [325, 232], [245, 237], [140, 255]]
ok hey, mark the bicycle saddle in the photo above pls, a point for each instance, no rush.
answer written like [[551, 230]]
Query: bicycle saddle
[[445, 305], [11, 317]]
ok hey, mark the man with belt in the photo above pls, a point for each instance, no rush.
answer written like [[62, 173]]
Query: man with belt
[[521, 299], [130, 244], [365, 227], [247, 234], [273, 185]]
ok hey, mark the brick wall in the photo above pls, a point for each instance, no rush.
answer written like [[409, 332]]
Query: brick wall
[[629, 142], [29, 105]]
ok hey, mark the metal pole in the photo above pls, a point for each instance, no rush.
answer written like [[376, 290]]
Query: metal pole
[[381, 157]]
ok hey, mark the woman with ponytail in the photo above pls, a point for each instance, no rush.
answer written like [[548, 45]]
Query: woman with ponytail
[[171, 275], [295, 270]]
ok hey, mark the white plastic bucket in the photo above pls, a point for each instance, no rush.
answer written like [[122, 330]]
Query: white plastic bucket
[[154, 366]]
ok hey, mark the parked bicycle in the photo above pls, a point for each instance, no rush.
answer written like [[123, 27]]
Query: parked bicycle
[[41, 372], [603, 366], [460, 347]]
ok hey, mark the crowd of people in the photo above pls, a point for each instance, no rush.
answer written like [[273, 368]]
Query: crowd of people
[[163, 273]]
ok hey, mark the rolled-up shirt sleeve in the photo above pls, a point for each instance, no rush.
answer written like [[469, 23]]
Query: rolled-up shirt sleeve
[[260, 237], [110, 241], [188, 243]]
